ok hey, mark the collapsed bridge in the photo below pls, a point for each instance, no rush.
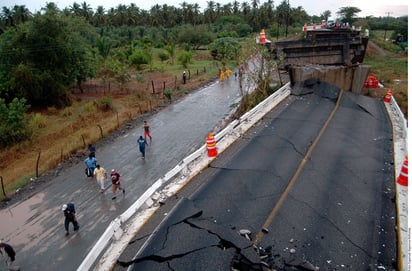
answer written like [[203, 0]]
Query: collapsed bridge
[[334, 56]]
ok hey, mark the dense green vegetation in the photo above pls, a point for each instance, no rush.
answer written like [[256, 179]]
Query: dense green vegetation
[[44, 55]]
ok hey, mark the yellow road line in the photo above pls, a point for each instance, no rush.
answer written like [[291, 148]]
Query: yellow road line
[[296, 175]]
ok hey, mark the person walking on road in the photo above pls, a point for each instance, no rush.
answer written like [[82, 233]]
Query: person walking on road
[[90, 164], [70, 217], [101, 175], [142, 146], [92, 150], [9, 256], [146, 128], [115, 176]]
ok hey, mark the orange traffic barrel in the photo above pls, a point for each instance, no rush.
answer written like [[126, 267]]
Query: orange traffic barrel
[[403, 177], [262, 36], [388, 96], [211, 145]]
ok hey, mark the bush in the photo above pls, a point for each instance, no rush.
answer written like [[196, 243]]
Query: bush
[[163, 56], [14, 122], [168, 94], [106, 103], [90, 107], [185, 58], [38, 121]]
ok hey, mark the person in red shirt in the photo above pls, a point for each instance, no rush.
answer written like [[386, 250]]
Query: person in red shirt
[[146, 128], [115, 176]]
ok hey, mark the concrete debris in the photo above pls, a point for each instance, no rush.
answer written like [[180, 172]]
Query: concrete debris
[[303, 265]]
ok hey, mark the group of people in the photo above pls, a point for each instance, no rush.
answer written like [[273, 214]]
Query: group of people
[[99, 173], [95, 171]]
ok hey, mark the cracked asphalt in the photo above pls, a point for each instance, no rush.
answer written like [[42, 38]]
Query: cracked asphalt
[[340, 214]]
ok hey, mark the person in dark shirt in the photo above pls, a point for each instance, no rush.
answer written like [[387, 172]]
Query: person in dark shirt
[[115, 176], [9, 256], [142, 146], [70, 217]]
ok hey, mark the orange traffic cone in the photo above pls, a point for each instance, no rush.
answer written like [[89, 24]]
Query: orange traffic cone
[[403, 177], [211, 145], [262, 36]]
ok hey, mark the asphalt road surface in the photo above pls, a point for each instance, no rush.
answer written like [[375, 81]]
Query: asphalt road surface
[[292, 194]]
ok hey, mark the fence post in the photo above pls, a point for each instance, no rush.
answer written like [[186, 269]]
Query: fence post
[[153, 88], [175, 82], [37, 164], [2, 187], [84, 142], [164, 86], [118, 123], [101, 130]]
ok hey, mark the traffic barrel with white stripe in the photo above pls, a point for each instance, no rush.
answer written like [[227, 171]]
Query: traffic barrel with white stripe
[[211, 145], [388, 96], [403, 176], [262, 36]]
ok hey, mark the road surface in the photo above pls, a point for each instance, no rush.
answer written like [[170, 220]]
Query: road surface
[[330, 207]]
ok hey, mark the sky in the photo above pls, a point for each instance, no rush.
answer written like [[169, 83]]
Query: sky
[[380, 8]]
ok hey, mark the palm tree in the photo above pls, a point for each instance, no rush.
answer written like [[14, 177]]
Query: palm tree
[[236, 7], [255, 4], [245, 9], [7, 17], [86, 11], [227, 9], [184, 12], [99, 18], [210, 13], [120, 15], [51, 8], [132, 14], [196, 13], [75, 9], [155, 16], [21, 14]]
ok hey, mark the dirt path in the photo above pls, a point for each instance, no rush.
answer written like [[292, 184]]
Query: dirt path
[[373, 46]]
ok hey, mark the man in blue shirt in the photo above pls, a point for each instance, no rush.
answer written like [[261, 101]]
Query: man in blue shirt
[[90, 164], [142, 145]]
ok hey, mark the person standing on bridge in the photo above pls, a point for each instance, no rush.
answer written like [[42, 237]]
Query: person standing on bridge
[[70, 217], [115, 176]]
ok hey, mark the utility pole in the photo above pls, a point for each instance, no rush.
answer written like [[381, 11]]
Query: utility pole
[[386, 26], [287, 21]]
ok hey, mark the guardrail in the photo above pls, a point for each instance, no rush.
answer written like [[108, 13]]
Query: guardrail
[[189, 167], [400, 145]]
